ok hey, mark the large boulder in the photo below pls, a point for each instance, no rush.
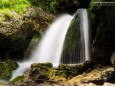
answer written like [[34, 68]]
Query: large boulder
[[15, 35], [39, 72]]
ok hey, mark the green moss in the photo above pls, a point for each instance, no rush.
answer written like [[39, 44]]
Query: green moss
[[47, 64], [6, 69], [1, 21], [16, 79], [40, 72], [8, 16], [65, 71], [73, 35], [63, 67]]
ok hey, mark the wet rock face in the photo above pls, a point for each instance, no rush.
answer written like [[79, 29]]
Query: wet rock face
[[15, 36], [39, 17], [103, 30]]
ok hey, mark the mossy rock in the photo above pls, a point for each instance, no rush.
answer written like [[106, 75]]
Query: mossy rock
[[39, 72], [86, 66], [63, 67], [16, 79], [65, 71], [6, 69], [47, 64]]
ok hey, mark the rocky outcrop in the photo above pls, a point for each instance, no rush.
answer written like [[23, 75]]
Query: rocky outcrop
[[17, 31], [39, 73], [15, 36], [98, 75], [39, 17], [65, 75]]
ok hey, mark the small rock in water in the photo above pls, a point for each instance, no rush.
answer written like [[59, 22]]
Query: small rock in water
[[113, 58]]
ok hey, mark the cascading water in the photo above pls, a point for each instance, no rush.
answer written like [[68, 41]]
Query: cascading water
[[51, 45], [84, 27]]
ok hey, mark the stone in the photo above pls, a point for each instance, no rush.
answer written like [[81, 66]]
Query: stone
[[113, 58], [98, 75], [39, 73], [47, 64]]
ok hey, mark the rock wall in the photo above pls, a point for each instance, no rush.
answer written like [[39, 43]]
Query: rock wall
[[103, 29]]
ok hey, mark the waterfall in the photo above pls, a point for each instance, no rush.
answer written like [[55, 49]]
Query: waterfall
[[77, 41], [84, 27], [50, 47]]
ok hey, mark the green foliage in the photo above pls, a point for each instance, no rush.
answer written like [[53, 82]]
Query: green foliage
[[17, 5], [49, 5]]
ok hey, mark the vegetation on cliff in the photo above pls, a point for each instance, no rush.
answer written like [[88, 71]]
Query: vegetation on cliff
[[18, 6], [61, 6]]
